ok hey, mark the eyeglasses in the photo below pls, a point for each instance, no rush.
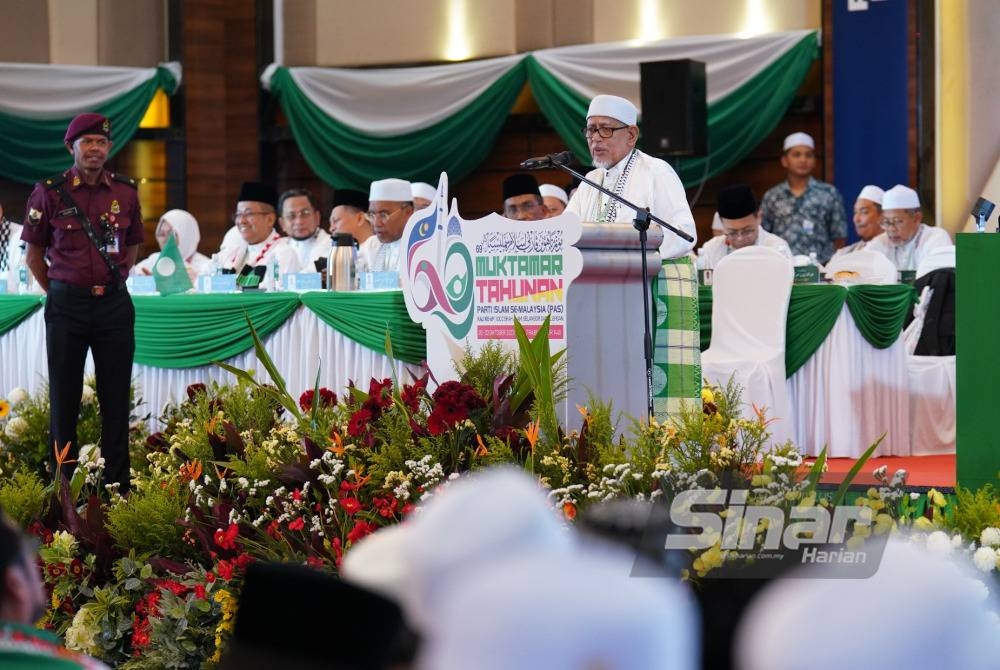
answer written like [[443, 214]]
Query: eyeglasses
[[301, 214], [604, 131], [384, 215], [524, 207], [741, 233], [247, 214], [892, 223]]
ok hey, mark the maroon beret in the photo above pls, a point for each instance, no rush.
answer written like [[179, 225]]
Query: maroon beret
[[88, 124]]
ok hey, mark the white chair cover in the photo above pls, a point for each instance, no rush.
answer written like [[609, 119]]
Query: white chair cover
[[935, 259], [871, 266], [750, 294], [911, 334], [932, 404]]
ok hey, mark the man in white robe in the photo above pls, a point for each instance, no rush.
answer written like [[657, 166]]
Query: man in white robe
[[260, 245], [739, 213], [300, 219], [906, 239], [390, 206]]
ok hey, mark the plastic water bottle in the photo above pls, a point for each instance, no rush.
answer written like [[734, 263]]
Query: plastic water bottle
[[340, 266], [813, 259], [23, 275]]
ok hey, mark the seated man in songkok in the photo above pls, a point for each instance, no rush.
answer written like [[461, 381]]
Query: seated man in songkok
[[867, 216], [390, 204], [260, 245], [349, 215], [739, 213], [522, 201], [906, 239]]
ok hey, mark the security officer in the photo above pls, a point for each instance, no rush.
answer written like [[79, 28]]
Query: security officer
[[87, 222]]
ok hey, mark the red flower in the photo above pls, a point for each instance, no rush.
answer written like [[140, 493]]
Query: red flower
[[327, 398], [412, 393], [210, 576], [176, 588], [67, 606], [225, 569], [407, 508], [435, 424], [298, 524], [386, 506], [274, 530], [346, 486], [297, 495], [314, 562], [361, 529], [338, 550], [243, 560], [76, 568], [194, 389], [227, 538], [55, 570], [358, 424], [140, 634], [380, 392], [350, 505], [148, 605], [199, 591], [41, 532]]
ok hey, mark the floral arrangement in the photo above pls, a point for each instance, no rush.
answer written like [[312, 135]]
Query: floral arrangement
[[248, 471]]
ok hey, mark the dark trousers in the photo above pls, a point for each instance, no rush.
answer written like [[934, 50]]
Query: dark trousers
[[75, 322]]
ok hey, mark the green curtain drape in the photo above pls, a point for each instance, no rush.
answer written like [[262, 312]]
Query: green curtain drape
[[33, 149], [16, 308], [736, 123], [347, 158], [186, 331], [366, 317], [878, 311]]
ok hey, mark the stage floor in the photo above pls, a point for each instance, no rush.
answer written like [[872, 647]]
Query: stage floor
[[924, 471]]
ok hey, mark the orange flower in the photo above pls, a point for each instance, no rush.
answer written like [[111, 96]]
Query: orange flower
[[569, 510], [531, 433], [337, 445], [481, 450], [61, 455], [190, 471], [759, 411]]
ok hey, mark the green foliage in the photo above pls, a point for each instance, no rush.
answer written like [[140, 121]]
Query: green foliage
[[976, 510], [147, 522], [481, 370], [23, 496]]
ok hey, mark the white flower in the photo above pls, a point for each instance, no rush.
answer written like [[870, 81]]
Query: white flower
[[16, 396], [939, 543], [985, 559], [956, 541], [15, 428], [990, 537], [88, 394], [89, 453]]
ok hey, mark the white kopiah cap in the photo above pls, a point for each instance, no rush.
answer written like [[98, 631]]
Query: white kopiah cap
[[873, 193], [799, 140], [390, 190], [900, 197], [615, 107], [553, 191], [419, 189]]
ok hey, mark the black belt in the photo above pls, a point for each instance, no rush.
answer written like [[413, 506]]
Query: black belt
[[95, 291]]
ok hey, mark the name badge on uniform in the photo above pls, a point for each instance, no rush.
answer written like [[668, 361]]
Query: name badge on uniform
[[64, 213], [111, 246]]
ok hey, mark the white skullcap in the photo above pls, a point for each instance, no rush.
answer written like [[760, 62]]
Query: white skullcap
[[900, 197], [379, 562], [465, 527], [717, 222], [910, 578], [419, 189], [799, 140], [615, 107], [873, 193], [565, 610], [186, 227], [553, 191], [390, 190]]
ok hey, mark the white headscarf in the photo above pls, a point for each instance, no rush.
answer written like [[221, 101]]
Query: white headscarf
[[187, 230]]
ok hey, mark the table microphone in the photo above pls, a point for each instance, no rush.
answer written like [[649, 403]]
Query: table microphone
[[547, 161]]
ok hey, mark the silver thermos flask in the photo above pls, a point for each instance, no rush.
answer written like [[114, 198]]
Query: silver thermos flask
[[340, 267]]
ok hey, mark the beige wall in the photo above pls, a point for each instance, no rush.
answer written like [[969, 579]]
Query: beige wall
[[83, 32]]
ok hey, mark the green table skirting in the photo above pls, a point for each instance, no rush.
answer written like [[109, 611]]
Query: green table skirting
[[879, 312], [189, 330]]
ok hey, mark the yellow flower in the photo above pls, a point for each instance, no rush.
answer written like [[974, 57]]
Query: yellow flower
[[936, 498], [4, 408], [883, 524], [923, 523], [707, 395]]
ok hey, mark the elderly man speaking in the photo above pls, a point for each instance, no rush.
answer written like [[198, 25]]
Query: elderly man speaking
[[648, 182]]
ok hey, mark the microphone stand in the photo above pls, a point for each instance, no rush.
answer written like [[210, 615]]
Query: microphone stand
[[640, 223]]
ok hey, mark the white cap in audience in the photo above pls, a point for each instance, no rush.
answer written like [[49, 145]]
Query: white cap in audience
[[900, 197], [419, 189], [379, 562], [717, 222], [828, 624], [553, 191], [466, 527], [615, 107], [390, 190], [799, 140], [565, 610], [871, 192]]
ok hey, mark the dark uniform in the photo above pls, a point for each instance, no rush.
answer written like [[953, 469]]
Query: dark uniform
[[87, 306]]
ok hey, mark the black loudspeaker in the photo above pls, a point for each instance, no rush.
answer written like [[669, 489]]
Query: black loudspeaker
[[674, 108]]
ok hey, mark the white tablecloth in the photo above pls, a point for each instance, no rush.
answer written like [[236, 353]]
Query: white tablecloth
[[299, 347]]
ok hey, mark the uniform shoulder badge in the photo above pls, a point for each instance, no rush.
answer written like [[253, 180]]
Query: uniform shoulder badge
[[125, 180], [34, 216], [55, 181]]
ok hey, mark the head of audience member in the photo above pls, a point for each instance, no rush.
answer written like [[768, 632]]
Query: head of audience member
[[611, 130], [300, 213], [798, 155], [423, 194], [256, 212], [522, 201], [555, 199], [184, 227], [901, 214], [739, 214], [22, 595], [910, 578], [390, 204], [313, 604], [868, 212], [88, 139], [349, 215]]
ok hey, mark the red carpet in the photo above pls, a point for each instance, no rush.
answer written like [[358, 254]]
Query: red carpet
[[938, 471]]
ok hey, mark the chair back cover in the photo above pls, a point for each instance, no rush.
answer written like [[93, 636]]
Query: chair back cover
[[871, 266], [935, 259]]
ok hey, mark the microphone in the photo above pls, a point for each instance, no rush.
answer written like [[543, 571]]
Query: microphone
[[547, 161]]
